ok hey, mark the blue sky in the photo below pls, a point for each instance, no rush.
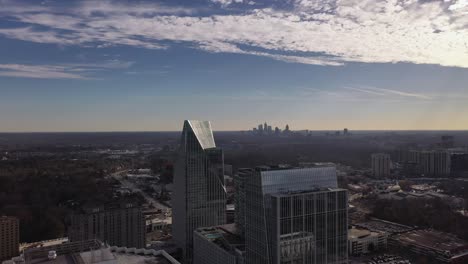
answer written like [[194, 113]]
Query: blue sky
[[114, 65]]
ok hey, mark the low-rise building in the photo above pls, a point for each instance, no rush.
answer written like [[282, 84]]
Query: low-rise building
[[437, 246], [158, 223], [91, 251], [378, 225], [388, 259], [362, 241], [221, 244]]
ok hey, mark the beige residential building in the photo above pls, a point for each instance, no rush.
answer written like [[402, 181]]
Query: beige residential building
[[381, 165], [120, 225]]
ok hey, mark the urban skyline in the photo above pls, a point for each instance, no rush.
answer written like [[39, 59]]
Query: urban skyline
[[123, 66], [187, 206]]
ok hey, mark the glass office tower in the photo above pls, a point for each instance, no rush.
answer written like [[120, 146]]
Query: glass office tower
[[200, 196], [295, 216]]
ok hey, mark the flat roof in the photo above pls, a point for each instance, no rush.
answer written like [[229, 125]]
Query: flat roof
[[378, 225], [306, 165], [4, 218], [225, 236], [45, 243], [359, 233], [434, 240], [317, 190], [104, 256]]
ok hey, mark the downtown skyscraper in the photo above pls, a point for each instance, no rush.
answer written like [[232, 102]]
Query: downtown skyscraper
[[200, 194]]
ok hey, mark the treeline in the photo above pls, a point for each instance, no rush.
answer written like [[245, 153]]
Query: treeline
[[42, 193], [424, 213], [356, 154]]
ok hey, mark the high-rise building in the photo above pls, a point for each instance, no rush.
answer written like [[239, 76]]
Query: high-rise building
[[270, 130], [199, 196], [459, 164], [380, 165], [239, 198], [309, 227], [434, 163], [295, 216], [277, 131], [428, 163], [9, 237], [447, 141], [121, 225]]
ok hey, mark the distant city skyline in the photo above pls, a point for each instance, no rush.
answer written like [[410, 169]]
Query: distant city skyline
[[115, 65]]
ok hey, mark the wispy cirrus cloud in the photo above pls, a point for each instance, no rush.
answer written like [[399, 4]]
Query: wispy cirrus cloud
[[340, 31], [38, 72], [79, 71], [387, 92]]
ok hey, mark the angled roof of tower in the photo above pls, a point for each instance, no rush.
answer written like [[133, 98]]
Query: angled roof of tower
[[203, 132]]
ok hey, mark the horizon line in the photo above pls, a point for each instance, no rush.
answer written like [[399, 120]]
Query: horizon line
[[174, 131]]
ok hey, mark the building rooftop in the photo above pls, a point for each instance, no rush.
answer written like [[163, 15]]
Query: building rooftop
[[357, 233], [388, 259], [312, 190], [378, 225], [297, 179], [302, 165], [93, 251], [94, 208], [45, 243], [4, 218], [225, 236], [107, 256], [434, 240], [203, 133]]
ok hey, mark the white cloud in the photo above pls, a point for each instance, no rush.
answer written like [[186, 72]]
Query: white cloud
[[60, 71], [459, 5], [323, 32], [90, 7], [226, 2]]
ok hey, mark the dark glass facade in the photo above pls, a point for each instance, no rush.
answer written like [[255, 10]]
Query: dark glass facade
[[310, 227], [199, 195], [290, 218]]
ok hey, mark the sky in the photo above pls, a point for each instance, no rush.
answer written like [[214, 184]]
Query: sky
[[113, 65]]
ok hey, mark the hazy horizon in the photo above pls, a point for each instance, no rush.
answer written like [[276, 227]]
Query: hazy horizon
[[240, 130]]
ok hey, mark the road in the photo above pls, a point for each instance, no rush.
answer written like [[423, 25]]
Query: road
[[130, 185]]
